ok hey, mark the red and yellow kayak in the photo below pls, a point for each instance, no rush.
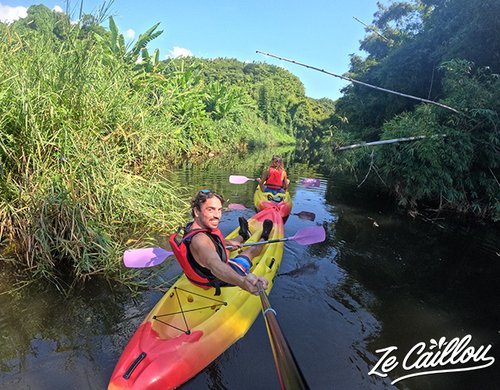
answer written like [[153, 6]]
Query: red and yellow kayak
[[283, 202], [190, 327]]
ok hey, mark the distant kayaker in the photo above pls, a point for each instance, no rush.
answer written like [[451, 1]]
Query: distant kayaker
[[204, 257], [274, 178]]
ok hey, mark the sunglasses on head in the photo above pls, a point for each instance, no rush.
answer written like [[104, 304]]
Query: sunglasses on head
[[207, 192]]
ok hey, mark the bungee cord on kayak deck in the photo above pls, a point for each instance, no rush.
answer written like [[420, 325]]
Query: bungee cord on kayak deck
[[182, 312]]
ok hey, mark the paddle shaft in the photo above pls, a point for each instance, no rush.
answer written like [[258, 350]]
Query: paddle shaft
[[262, 242], [289, 374], [148, 257]]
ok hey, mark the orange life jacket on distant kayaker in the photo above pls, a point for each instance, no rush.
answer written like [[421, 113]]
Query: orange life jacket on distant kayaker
[[275, 179], [197, 274]]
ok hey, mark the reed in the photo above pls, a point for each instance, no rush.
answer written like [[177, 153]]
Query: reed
[[87, 135], [78, 149]]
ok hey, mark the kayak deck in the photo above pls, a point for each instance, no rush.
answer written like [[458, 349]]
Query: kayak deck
[[190, 327]]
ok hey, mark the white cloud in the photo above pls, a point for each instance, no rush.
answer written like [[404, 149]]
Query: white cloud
[[9, 14], [130, 34], [180, 52]]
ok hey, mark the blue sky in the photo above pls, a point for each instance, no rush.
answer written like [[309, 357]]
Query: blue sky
[[321, 33]]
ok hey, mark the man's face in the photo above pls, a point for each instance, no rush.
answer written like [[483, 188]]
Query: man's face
[[209, 215]]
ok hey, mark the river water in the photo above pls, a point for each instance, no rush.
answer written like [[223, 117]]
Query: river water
[[380, 280]]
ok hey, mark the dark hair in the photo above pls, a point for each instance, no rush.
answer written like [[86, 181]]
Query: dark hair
[[201, 197], [278, 160]]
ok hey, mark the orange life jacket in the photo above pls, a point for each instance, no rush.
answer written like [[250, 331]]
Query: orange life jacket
[[197, 274], [275, 179]]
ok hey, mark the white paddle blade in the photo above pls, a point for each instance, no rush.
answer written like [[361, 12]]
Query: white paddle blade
[[237, 179]]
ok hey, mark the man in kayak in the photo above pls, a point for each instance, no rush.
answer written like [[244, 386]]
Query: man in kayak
[[204, 258], [274, 179]]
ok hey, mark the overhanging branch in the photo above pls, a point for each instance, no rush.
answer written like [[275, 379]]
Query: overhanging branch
[[362, 83], [387, 141]]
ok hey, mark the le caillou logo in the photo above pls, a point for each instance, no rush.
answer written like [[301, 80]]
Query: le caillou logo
[[437, 357]]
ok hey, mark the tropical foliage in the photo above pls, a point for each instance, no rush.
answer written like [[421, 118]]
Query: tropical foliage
[[275, 95], [439, 50], [73, 152], [89, 126]]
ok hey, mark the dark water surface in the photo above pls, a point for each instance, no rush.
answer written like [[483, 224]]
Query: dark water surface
[[381, 279]]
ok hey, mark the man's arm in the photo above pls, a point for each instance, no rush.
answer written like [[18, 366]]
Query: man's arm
[[204, 252]]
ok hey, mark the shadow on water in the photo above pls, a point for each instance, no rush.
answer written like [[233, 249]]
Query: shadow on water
[[53, 342], [379, 280], [430, 280]]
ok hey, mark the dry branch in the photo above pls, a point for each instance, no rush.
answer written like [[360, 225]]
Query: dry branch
[[387, 141], [360, 82]]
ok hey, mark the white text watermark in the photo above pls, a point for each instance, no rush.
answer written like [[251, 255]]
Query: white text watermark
[[437, 357]]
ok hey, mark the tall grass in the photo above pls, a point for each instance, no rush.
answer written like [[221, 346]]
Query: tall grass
[[86, 136], [78, 150]]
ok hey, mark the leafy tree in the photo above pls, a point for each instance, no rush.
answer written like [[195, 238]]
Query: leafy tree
[[438, 50], [86, 136], [136, 55]]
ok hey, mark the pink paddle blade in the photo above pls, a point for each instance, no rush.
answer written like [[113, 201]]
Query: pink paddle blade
[[145, 257], [310, 182], [237, 179], [310, 235], [236, 206]]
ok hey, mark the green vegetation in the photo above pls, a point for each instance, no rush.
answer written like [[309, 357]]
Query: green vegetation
[[89, 127], [76, 151], [88, 130], [275, 96], [447, 51]]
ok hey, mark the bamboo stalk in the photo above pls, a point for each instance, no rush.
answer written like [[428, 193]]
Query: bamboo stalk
[[371, 29], [387, 141], [361, 82]]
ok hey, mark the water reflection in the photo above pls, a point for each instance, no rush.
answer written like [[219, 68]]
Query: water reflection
[[378, 280], [429, 280]]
